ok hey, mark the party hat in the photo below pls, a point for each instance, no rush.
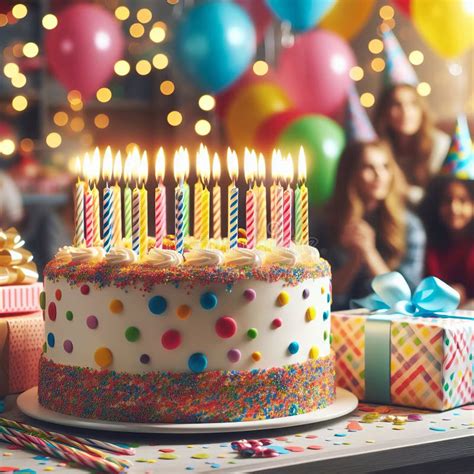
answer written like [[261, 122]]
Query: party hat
[[459, 162], [357, 123], [398, 69]]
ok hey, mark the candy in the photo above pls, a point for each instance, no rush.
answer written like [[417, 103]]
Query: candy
[[208, 300], [145, 359], [314, 352], [69, 315], [234, 355], [68, 346], [51, 339], [310, 313], [252, 333], [183, 311], [92, 322], [157, 305], [225, 327], [283, 298], [250, 294], [103, 357], [256, 356], [305, 293], [293, 348], [52, 311], [116, 306], [414, 417], [58, 294], [171, 339], [276, 323], [132, 334], [197, 362], [85, 290]]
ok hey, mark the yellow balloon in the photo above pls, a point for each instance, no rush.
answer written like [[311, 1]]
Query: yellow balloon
[[347, 17], [446, 25], [250, 107]]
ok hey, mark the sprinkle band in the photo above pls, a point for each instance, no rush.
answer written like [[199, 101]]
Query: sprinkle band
[[172, 397]]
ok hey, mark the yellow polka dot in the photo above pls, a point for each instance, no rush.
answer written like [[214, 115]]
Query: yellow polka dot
[[183, 311], [313, 352], [256, 356], [283, 298], [310, 313], [323, 290], [103, 357], [116, 306]]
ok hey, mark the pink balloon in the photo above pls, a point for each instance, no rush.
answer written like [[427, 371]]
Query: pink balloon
[[83, 48], [260, 14], [315, 71]]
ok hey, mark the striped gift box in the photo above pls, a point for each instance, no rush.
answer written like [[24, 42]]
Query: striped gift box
[[20, 299]]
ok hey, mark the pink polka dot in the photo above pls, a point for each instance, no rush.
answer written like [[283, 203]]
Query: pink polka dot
[[68, 347], [85, 289], [277, 323], [226, 327], [92, 322], [58, 294], [171, 339], [234, 355], [52, 311], [250, 294]]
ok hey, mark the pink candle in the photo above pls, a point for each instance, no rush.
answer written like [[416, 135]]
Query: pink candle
[[276, 196], [250, 170], [160, 199]]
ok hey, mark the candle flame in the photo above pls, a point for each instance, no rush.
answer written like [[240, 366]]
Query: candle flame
[[276, 165], [128, 168], [143, 169], [301, 165], [216, 168], [250, 165], [95, 166], [160, 165], [78, 167], [107, 165], [135, 164], [261, 170], [86, 167], [117, 167], [287, 169], [181, 165], [204, 164], [232, 164]]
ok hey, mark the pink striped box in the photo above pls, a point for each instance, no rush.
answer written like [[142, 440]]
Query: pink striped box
[[20, 299]]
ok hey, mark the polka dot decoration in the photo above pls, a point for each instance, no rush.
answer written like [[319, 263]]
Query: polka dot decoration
[[252, 333], [116, 306], [325, 315], [132, 334], [51, 339], [208, 300], [310, 313], [197, 362], [157, 304], [103, 357], [305, 294], [323, 290], [283, 298], [226, 327], [250, 294], [58, 294], [92, 322], [69, 315], [52, 311], [42, 300], [234, 355], [293, 347], [145, 359], [325, 335], [314, 352], [183, 311], [85, 290], [328, 298], [68, 346], [256, 356], [277, 323], [171, 339]]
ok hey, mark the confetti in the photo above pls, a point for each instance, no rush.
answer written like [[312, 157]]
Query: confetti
[[295, 449], [315, 447], [437, 428], [354, 426], [414, 417]]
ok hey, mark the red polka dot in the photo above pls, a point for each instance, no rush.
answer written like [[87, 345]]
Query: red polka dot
[[276, 323], [85, 289], [58, 294], [52, 311], [171, 339], [226, 327]]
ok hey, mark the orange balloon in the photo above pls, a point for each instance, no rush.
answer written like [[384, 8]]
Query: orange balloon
[[250, 108], [347, 17]]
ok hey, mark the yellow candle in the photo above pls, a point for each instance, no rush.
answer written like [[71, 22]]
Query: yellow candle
[[301, 204], [205, 173], [143, 207], [216, 198]]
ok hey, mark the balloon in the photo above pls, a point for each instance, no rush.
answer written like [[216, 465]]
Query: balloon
[[268, 132], [250, 107], [301, 14], [215, 43], [323, 141], [347, 18], [315, 71], [83, 49], [260, 15], [403, 5], [446, 26]]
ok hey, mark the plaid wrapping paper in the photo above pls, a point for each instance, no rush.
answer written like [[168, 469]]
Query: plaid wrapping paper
[[431, 359]]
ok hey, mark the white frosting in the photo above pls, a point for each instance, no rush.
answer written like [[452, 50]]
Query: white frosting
[[164, 258], [306, 255], [204, 257], [81, 254], [240, 257], [119, 255], [281, 256]]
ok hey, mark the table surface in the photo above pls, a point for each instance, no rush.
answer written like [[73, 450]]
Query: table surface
[[332, 446]]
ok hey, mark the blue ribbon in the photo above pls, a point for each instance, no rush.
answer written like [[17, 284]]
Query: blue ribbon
[[392, 297]]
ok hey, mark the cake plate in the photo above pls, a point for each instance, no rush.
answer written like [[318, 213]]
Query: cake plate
[[345, 403]]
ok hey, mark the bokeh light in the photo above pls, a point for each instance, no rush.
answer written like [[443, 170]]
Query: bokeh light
[[207, 102], [423, 89], [10, 70], [137, 30], [260, 68], [19, 103], [202, 127], [416, 57], [60, 118], [30, 50], [101, 121], [160, 61], [158, 32], [367, 99], [174, 118], [77, 124], [104, 94], [386, 12], [122, 13], [144, 15], [19, 11], [7, 147], [143, 67], [122, 68], [19, 80], [378, 64], [53, 140], [167, 87], [27, 145], [356, 73], [375, 46], [49, 21]]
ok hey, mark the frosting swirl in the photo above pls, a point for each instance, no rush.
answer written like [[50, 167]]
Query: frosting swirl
[[119, 255], [241, 257], [164, 258], [81, 254], [306, 255], [280, 256], [204, 257]]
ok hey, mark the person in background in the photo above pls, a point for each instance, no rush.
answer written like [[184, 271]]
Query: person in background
[[448, 214], [11, 206], [402, 118]]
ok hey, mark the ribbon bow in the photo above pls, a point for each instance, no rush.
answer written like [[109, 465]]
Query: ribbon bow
[[16, 263], [393, 295]]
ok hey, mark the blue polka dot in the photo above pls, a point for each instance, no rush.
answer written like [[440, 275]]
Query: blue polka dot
[[328, 297], [325, 315], [208, 300], [293, 348], [51, 339], [157, 305], [197, 362]]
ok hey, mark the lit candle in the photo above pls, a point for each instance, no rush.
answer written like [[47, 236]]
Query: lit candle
[[117, 193], [136, 207], [108, 204], [233, 199], [88, 205], [276, 195], [185, 155], [181, 166], [205, 173], [216, 198], [261, 192], [287, 173], [250, 168], [197, 194], [143, 206], [79, 206], [95, 174], [160, 199], [301, 203], [127, 197]]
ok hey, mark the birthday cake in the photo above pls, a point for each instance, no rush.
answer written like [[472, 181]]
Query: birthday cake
[[215, 334]]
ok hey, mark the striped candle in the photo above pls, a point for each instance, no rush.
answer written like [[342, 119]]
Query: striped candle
[[205, 216], [277, 215], [233, 199], [117, 200], [287, 215], [179, 218], [108, 217], [250, 218], [261, 196], [301, 203], [96, 215], [79, 213], [197, 209], [136, 221], [216, 198], [89, 222], [160, 199], [127, 203], [143, 206], [186, 209]]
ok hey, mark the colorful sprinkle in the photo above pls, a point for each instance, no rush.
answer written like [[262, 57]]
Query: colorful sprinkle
[[157, 305], [145, 359], [132, 334], [85, 290], [103, 357], [116, 306], [69, 315], [310, 313], [414, 417], [226, 327], [314, 352], [197, 362], [171, 339], [305, 293], [252, 333], [208, 300], [250, 294], [315, 447], [234, 355], [283, 298], [92, 322], [68, 346], [294, 449], [256, 356], [293, 348], [42, 300], [276, 323], [51, 339], [183, 311], [354, 426], [58, 294], [52, 311]]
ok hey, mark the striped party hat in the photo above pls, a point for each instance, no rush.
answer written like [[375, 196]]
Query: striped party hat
[[459, 162], [398, 70], [357, 123]]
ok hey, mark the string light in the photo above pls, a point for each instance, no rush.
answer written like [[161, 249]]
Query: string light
[[49, 22], [356, 73], [174, 118], [19, 80], [77, 124], [122, 68], [30, 50], [375, 46], [202, 127], [122, 13], [104, 94], [260, 68], [53, 140], [207, 102], [160, 61], [137, 30], [60, 118], [19, 103], [367, 99], [144, 15], [423, 89], [143, 67], [416, 57], [101, 121], [167, 87], [19, 11], [378, 64]]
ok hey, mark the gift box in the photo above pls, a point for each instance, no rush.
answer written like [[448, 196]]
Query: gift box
[[20, 299], [413, 351], [21, 344]]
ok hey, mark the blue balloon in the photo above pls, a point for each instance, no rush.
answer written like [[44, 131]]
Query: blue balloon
[[301, 14], [215, 44]]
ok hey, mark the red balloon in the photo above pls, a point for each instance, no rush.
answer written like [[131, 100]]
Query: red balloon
[[315, 71], [83, 48], [260, 15], [403, 5], [268, 132]]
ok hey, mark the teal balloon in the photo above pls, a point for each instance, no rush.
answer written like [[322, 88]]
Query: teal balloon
[[303, 15], [323, 141], [215, 44]]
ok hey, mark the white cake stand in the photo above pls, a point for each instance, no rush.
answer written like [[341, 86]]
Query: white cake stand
[[345, 403]]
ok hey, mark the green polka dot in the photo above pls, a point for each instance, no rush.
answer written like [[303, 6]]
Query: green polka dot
[[446, 341], [42, 300], [330, 338], [325, 335], [45, 347], [252, 333], [69, 315], [132, 334], [446, 387]]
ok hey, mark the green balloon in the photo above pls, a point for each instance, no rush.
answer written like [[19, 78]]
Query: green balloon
[[323, 141]]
